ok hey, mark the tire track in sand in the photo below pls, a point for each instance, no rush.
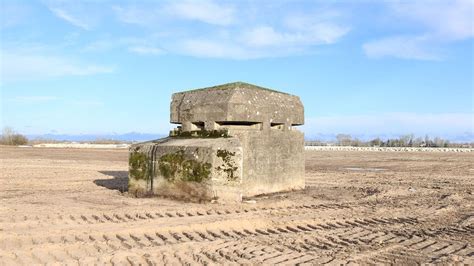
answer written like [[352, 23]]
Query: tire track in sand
[[115, 217], [78, 246]]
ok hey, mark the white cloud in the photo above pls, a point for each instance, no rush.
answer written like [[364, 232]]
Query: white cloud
[[298, 34], [449, 20], [263, 36], [405, 47], [261, 42], [317, 27], [150, 14], [443, 22], [142, 46], [20, 66], [138, 15], [393, 123], [229, 31], [321, 33], [205, 11], [63, 14], [82, 14], [213, 49]]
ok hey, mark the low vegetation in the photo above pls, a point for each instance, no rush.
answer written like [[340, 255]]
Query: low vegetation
[[403, 141], [10, 137]]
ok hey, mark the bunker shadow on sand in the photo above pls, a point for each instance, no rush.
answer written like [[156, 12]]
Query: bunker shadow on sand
[[119, 181]]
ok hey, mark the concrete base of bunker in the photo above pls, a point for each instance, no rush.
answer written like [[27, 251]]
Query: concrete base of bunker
[[188, 168], [211, 156]]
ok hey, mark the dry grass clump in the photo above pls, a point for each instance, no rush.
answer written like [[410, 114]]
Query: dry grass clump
[[10, 137]]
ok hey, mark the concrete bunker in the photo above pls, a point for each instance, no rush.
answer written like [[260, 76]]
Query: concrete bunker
[[232, 141]]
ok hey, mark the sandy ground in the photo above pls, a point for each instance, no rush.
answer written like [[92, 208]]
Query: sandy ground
[[70, 206], [81, 145]]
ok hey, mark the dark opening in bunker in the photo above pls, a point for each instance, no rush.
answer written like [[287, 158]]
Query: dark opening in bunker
[[199, 125], [240, 124], [277, 125], [237, 123]]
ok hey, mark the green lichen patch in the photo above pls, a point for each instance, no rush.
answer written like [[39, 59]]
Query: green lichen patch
[[175, 167], [219, 133], [228, 165], [138, 166]]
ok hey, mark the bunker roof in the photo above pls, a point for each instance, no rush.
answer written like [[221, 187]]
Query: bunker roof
[[236, 102], [233, 85]]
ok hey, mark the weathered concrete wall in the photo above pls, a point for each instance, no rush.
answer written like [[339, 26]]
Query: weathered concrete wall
[[235, 140], [273, 160], [186, 167]]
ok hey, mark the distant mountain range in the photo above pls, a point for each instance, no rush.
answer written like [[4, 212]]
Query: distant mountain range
[[131, 136], [136, 137]]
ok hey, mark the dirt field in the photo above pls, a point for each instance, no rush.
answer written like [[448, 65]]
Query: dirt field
[[71, 206]]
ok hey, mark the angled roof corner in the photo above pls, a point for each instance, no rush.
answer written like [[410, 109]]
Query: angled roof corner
[[236, 102]]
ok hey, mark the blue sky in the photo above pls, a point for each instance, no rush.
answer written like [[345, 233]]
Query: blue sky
[[360, 67]]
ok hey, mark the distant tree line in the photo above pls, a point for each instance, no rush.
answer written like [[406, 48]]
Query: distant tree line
[[11, 137], [408, 140]]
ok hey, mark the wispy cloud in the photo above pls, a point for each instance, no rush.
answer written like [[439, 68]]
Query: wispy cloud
[[205, 11], [443, 22], [231, 31], [405, 47], [260, 42], [142, 46], [85, 15], [214, 49], [23, 66], [143, 16], [298, 35], [320, 33], [63, 14], [447, 20]]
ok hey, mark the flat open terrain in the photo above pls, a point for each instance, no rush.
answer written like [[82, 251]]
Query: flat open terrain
[[71, 206]]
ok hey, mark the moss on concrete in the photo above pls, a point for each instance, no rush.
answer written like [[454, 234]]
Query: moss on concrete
[[138, 165], [228, 166], [175, 167], [220, 133]]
